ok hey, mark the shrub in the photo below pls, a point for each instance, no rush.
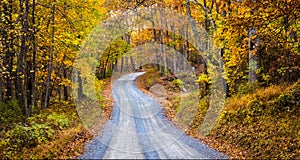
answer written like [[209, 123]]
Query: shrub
[[10, 112], [248, 88], [287, 103], [59, 121], [177, 83], [29, 136]]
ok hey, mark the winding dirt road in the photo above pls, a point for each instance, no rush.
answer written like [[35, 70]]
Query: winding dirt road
[[139, 130]]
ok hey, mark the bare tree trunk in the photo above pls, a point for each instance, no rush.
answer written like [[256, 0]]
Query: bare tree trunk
[[253, 57], [50, 58]]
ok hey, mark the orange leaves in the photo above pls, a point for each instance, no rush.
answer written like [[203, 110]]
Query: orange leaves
[[143, 36]]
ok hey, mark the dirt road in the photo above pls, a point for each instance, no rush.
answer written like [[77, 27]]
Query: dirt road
[[139, 130]]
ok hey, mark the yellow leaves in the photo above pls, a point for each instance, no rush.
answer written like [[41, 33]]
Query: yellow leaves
[[15, 16], [65, 82], [140, 37], [235, 57], [68, 63], [204, 78], [168, 1], [99, 84]]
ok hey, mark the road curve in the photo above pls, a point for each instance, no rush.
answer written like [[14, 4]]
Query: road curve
[[139, 130]]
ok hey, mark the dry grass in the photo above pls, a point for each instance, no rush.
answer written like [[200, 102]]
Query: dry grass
[[258, 127]]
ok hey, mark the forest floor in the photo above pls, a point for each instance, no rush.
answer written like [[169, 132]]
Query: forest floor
[[55, 133], [70, 143]]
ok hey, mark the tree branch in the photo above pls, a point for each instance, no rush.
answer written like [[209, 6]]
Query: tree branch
[[207, 11]]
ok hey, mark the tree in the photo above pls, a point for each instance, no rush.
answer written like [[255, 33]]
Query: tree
[[29, 58], [51, 52]]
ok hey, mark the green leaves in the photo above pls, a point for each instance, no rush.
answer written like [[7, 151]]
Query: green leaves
[[59, 121]]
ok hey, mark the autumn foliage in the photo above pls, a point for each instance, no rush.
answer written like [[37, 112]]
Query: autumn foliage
[[258, 41]]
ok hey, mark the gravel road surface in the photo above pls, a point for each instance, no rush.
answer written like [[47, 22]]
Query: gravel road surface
[[139, 130]]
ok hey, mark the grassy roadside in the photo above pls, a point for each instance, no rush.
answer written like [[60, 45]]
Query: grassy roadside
[[261, 124], [56, 133]]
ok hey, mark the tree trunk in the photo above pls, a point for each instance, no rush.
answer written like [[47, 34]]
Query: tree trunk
[[50, 58], [1, 97], [132, 63], [183, 50], [122, 63], [34, 65], [2, 64], [126, 64], [65, 88], [174, 46], [80, 91], [196, 36], [155, 40], [21, 75], [116, 66], [9, 56], [156, 53], [163, 57], [253, 57], [186, 46], [162, 48]]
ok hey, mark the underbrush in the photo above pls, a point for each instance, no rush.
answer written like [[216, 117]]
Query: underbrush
[[150, 78], [68, 143], [262, 124], [26, 134], [56, 132]]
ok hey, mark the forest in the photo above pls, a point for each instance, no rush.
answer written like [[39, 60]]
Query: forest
[[257, 41]]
